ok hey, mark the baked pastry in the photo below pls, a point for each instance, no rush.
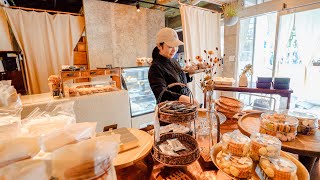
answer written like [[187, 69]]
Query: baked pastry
[[277, 168], [73, 92], [235, 143], [264, 145], [240, 167], [280, 125]]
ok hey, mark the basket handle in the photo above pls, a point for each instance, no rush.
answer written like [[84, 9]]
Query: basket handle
[[172, 85]]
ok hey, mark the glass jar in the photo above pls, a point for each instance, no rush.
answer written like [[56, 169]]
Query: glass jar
[[282, 126]]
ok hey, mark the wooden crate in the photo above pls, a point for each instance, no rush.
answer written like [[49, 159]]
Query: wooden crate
[[80, 57]]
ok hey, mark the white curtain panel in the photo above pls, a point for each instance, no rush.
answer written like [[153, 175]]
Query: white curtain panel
[[5, 38], [308, 37], [201, 31], [47, 42], [286, 24]]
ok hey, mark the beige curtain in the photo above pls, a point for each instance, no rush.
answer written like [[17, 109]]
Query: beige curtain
[[5, 38], [201, 31], [47, 42]]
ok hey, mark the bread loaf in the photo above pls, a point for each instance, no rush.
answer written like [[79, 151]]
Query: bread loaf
[[86, 159], [18, 149], [26, 170]]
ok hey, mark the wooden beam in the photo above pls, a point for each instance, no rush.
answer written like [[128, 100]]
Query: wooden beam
[[273, 6]]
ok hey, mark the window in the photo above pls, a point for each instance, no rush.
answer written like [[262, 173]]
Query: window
[[248, 3], [297, 53], [298, 48], [256, 44]]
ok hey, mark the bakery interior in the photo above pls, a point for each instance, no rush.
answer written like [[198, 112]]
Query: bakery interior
[[76, 102]]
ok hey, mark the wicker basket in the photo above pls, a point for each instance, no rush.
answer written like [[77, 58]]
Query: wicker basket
[[231, 102], [186, 157], [177, 117], [227, 108]]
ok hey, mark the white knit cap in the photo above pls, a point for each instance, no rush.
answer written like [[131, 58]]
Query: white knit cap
[[168, 36]]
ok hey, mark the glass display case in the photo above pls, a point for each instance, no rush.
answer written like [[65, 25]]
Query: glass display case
[[135, 80]]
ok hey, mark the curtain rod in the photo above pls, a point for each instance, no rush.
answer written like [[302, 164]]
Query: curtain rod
[[41, 10], [205, 9], [156, 4], [298, 6]]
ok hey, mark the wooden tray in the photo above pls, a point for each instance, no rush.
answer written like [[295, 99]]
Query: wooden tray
[[302, 172], [128, 140], [303, 144]]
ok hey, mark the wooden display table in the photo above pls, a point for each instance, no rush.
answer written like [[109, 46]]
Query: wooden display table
[[132, 156], [308, 147], [282, 92]]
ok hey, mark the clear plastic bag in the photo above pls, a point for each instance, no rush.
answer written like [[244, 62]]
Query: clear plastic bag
[[27, 170], [10, 123], [44, 122], [87, 159], [71, 134], [9, 96], [18, 149]]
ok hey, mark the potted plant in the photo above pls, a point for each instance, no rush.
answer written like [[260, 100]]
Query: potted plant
[[230, 11]]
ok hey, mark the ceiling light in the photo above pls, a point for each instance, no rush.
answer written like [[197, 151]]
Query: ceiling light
[[138, 6]]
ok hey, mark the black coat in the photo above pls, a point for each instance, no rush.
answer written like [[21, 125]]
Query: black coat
[[164, 72]]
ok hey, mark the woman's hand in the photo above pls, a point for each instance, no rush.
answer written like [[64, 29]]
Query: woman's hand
[[187, 99]]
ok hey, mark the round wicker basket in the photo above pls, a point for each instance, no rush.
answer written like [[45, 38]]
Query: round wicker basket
[[227, 108], [231, 102], [186, 157], [177, 117]]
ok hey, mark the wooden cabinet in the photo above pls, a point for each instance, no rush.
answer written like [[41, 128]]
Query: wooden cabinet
[[13, 70], [80, 53], [80, 58]]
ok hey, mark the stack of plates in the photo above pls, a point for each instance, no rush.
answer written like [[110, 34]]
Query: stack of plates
[[228, 106]]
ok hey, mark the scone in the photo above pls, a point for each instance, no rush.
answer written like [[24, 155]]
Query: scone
[[240, 167], [264, 145], [235, 143]]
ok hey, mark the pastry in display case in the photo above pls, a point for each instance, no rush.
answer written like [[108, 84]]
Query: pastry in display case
[[135, 80], [91, 81]]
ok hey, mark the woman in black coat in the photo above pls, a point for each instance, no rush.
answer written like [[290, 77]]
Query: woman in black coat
[[164, 70]]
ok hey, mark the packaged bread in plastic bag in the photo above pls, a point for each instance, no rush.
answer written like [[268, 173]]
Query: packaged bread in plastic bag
[[8, 95], [10, 123], [44, 122], [73, 133], [87, 159], [27, 170], [17, 149]]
